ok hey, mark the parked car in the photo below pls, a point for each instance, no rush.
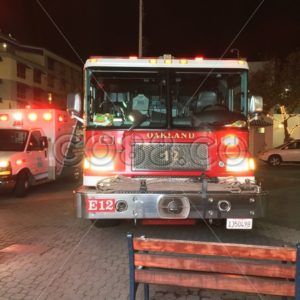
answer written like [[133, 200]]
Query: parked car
[[286, 153]]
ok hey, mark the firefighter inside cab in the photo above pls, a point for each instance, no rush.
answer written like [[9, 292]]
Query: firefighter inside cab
[[167, 140]]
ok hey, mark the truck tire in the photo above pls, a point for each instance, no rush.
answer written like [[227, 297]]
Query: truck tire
[[105, 223], [22, 184], [274, 160]]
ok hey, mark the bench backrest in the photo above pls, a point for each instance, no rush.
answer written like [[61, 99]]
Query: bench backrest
[[219, 266]]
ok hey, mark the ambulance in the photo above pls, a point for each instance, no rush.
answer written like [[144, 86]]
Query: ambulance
[[35, 146]]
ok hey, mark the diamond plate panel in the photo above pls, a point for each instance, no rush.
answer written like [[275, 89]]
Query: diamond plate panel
[[170, 156]]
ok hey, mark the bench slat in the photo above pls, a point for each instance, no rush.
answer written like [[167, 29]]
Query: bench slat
[[215, 249], [216, 265], [217, 282]]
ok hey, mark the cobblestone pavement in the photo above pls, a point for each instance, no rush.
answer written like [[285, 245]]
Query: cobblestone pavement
[[68, 258]]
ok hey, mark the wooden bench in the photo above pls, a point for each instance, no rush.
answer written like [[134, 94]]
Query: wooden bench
[[219, 266]]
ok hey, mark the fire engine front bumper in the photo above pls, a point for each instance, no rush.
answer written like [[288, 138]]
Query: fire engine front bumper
[[211, 204]]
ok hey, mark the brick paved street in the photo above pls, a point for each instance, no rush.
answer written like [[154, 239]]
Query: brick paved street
[[67, 258]]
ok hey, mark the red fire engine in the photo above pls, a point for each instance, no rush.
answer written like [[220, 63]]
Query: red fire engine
[[166, 140]]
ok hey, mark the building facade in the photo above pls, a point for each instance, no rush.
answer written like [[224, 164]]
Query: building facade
[[35, 76]]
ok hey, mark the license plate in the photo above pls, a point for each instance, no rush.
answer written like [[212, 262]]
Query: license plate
[[239, 223], [100, 205]]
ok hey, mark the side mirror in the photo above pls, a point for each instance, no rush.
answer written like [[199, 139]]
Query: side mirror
[[256, 104], [74, 103], [44, 142]]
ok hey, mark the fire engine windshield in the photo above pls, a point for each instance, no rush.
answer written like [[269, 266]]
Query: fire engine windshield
[[164, 98], [13, 139]]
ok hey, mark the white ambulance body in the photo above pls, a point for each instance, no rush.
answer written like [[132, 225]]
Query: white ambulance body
[[33, 147]]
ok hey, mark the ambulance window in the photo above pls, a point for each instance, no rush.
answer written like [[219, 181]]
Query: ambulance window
[[15, 139], [35, 142]]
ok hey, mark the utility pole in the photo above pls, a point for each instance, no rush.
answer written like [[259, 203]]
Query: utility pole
[[141, 29]]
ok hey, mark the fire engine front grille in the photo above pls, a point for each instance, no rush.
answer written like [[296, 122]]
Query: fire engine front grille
[[169, 156]]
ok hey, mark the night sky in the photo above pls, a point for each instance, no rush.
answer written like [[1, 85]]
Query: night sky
[[184, 28]]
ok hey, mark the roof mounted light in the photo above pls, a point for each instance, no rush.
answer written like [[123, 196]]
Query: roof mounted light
[[183, 61], [4, 117], [32, 117], [133, 57], [167, 59], [18, 116], [153, 61], [92, 59], [47, 116], [198, 58]]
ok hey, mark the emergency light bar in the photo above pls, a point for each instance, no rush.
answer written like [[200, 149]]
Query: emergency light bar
[[166, 60], [18, 117]]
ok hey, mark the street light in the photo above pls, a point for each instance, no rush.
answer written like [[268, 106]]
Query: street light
[[141, 29]]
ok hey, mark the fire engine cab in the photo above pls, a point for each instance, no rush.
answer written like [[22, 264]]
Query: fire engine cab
[[34, 146], [166, 141]]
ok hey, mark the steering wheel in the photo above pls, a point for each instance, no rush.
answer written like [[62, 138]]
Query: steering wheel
[[217, 106]]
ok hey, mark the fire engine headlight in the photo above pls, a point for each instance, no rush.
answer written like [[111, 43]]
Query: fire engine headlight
[[99, 163], [240, 164], [230, 140]]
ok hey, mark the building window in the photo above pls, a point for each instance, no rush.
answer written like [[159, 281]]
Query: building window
[[37, 76], [21, 70], [21, 90], [37, 94], [62, 69], [51, 63], [63, 85], [50, 81]]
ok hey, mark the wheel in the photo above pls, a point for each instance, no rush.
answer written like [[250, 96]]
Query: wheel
[[274, 160], [105, 223], [22, 185]]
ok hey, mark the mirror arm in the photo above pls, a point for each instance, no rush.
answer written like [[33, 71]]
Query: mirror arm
[[73, 116]]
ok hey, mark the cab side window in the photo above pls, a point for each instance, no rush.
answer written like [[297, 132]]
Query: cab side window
[[35, 142]]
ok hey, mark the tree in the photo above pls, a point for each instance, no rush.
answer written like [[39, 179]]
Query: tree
[[291, 81], [266, 83], [278, 82], [284, 118]]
